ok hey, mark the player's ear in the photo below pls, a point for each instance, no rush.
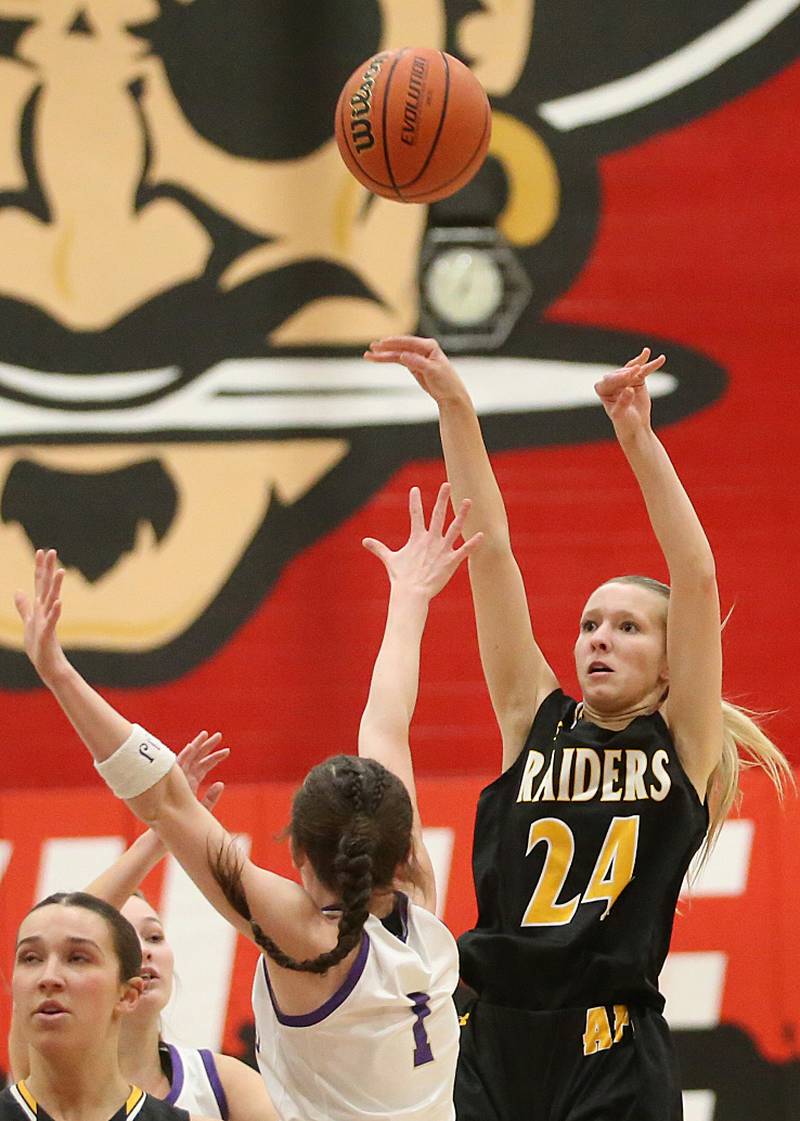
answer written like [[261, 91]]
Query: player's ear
[[663, 678], [496, 40], [132, 990]]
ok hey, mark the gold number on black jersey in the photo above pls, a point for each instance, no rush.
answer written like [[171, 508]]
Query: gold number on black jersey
[[612, 871]]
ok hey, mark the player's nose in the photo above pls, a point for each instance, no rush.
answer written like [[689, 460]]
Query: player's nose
[[50, 978]]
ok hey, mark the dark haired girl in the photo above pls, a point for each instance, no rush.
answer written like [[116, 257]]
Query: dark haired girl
[[195, 1079], [352, 995], [76, 978]]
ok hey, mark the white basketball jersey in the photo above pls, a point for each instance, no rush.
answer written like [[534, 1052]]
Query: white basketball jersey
[[194, 1082], [384, 1046]]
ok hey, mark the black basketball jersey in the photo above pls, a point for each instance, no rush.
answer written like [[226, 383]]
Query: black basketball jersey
[[580, 851], [18, 1104]]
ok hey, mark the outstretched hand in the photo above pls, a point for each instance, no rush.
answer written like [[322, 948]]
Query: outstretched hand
[[430, 556], [200, 756], [425, 359], [40, 615], [624, 394]]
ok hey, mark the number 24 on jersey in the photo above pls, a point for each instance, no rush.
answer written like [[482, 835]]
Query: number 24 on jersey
[[613, 869]]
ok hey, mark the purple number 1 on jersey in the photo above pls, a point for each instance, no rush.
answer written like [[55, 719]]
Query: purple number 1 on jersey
[[422, 1047]]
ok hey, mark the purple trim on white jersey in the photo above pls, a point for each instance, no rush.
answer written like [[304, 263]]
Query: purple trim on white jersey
[[176, 1075], [214, 1082], [333, 1002]]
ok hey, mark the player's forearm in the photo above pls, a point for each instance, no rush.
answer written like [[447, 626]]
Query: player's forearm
[[469, 472], [395, 675], [121, 880], [97, 723], [675, 523], [513, 665], [191, 834], [104, 730]]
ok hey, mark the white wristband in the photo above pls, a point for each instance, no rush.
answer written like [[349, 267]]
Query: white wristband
[[138, 764]]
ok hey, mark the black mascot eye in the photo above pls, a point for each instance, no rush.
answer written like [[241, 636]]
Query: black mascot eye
[[260, 78]]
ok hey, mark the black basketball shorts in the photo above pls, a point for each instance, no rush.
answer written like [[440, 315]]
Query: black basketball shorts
[[610, 1063]]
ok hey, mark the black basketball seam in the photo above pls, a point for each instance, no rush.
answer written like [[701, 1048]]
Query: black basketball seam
[[442, 116], [476, 150], [487, 125], [384, 110]]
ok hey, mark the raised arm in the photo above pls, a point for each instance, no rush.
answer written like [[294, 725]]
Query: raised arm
[[117, 883], [169, 806], [694, 646], [517, 673], [417, 572]]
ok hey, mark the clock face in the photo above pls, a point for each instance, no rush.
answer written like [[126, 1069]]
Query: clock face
[[464, 285]]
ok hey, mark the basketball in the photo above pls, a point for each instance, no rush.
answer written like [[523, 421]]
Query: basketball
[[413, 124]]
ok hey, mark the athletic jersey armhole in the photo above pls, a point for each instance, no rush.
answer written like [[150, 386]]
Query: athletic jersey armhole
[[215, 1082], [553, 710], [175, 1073], [396, 922], [553, 713], [702, 802]]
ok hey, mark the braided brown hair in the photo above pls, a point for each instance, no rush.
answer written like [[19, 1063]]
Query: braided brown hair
[[353, 819]]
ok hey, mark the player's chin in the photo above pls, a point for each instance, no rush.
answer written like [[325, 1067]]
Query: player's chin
[[153, 997], [602, 690]]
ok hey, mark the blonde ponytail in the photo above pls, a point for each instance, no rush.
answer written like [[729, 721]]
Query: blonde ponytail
[[744, 745]]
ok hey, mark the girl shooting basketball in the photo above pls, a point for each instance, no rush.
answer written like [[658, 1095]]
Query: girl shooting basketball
[[352, 995], [582, 843]]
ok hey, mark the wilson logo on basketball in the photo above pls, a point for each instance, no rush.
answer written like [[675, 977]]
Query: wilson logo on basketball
[[360, 104]]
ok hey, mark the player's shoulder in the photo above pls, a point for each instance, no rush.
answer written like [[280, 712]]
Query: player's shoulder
[[233, 1072], [410, 925], [431, 938], [423, 919]]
